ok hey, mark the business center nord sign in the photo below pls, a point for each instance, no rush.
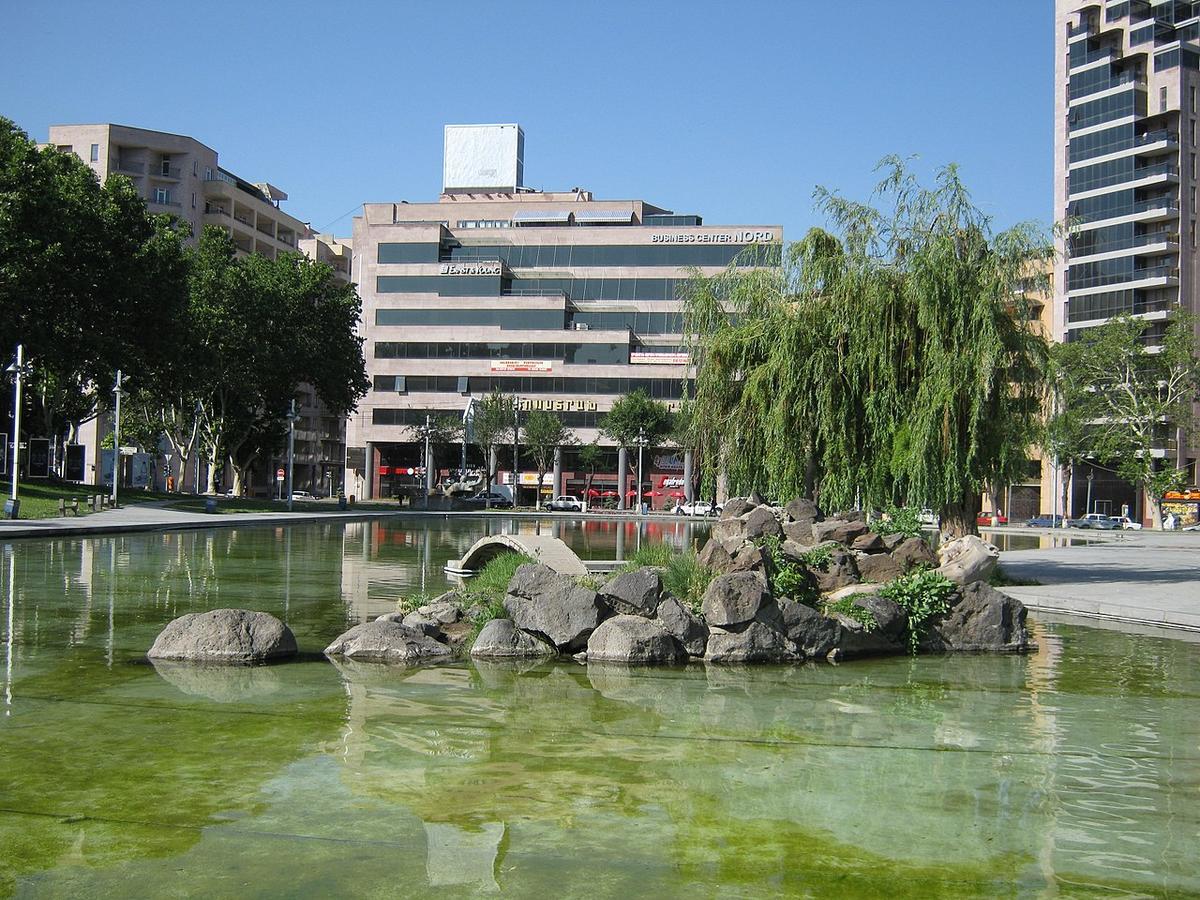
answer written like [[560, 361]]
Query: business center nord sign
[[714, 237]]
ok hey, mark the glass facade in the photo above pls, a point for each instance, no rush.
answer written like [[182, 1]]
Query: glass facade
[[498, 317], [660, 388], [417, 417], [1105, 109], [568, 352], [562, 256]]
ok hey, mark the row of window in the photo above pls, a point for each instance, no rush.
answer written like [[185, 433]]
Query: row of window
[[660, 388], [1116, 237], [534, 319], [1117, 203], [587, 419], [564, 256], [574, 353], [654, 289], [1105, 109], [1101, 143], [1172, 59], [1114, 171], [1101, 78], [1116, 303]]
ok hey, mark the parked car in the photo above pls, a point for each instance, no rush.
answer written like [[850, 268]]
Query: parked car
[[1046, 520], [494, 499], [1094, 521], [565, 503], [1125, 523], [929, 519], [985, 518], [695, 508], [302, 495]]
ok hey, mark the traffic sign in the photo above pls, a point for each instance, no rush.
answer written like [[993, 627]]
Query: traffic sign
[[279, 473]]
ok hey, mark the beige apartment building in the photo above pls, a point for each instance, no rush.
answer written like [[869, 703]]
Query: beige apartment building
[[1127, 73], [179, 175], [563, 300]]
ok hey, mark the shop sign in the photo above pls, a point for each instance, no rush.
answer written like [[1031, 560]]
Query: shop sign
[[671, 483], [525, 404], [527, 479], [669, 462], [659, 359], [718, 237], [522, 365]]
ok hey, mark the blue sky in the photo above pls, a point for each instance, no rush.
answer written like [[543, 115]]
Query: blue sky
[[734, 110]]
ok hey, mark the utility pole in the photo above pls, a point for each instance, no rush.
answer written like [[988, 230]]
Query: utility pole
[[18, 370], [116, 438], [291, 417], [516, 434]]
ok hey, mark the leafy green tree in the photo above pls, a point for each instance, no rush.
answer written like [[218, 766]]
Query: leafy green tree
[[591, 456], [544, 434], [635, 418], [1122, 402], [886, 364], [493, 422]]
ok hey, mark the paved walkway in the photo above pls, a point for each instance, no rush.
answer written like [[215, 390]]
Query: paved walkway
[[1151, 578]]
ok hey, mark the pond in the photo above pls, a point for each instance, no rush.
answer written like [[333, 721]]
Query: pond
[[1072, 770]]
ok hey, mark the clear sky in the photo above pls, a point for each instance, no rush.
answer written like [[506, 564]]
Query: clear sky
[[733, 110]]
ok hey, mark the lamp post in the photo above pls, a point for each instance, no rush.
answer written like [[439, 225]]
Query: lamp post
[[291, 419], [1091, 475], [17, 368], [428, 461], [641, 446], [516, 437], [116, 438], [199, 411]]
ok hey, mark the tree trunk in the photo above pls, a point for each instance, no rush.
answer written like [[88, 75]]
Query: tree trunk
[[538, 490], [1155, 506], [959, 518]]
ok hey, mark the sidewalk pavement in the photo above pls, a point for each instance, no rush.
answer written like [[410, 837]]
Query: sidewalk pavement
[[1151, 578]]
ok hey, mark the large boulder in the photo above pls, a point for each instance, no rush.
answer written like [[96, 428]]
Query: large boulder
[[762, 523], [891, 618], [914, 552], [800, 533], [417, 622], [981, 619], [735, 598], [749, 558], [553, 606], [736, 507], [714, 557], [868, 543], [879, 568], [729, 529], [444, 612], [857, 639], [234, 636], [813, 632], [841, 570], [682, 624], [754, 643], [501, 639], [801, 510], [842, 530], [634, 593], [387, 642], [968, 559], [634, 639]]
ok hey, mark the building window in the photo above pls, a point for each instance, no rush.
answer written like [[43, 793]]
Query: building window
[[1192, 232], [1162, 99], [166, 160], [1193, 99], [1193, 132], [195, 168], [193, 199], [207, 174], [95, 154], [162, 195], [1193, 165]]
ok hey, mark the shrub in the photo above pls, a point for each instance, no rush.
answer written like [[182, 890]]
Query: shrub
[[409, 603], [922, 595], [818, 557], [905, 520], [846, 607], [687, 580], [487, 587], [788, 578], [649, 555]]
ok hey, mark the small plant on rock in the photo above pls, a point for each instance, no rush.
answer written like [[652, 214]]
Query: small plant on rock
[[905, 520], [846, 607], [687, 579], [787, 577], [486, 589], [409, 603], [818, 558], [922, 595]]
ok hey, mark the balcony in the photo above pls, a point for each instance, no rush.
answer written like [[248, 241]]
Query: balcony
[[172, 173], [1156, 137], [1162, 242], [1151, 276], [1095, 56], [1074, 31], [154, 201], [128, 168], [212, 210]]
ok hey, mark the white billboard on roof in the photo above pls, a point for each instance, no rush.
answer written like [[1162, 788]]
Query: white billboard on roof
[[482, 158]]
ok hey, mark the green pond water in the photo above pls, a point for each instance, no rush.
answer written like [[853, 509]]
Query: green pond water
[[1071, 772]]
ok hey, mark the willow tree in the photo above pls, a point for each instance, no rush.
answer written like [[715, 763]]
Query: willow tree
[[886, 360]]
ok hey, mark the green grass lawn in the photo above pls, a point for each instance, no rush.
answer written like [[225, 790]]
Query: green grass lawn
[[39, 499]]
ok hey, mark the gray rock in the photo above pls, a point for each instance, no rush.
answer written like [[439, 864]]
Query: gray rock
[[879, 568], [794, 550], [553, 606], [888, 613], [981, 619], [681, 624], [802, 510], [748, 559], [425, 625], [443, 612], [735, 598], [762, 523], [634, 639], [813, 632], [714, 557], [853, 590], [868, 543], [387, 642], [729, 529], [914, 552], [844, 531], [892, 541], [235, 636], [397, 617], [800, 532], [634, 593], [968, 559], [735, 507], [840, 571], [754, 643], [502, 639]]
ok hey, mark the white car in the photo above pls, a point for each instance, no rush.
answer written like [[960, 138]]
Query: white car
[[695, 508], [565, 503], [1125, 523], [302, 495]]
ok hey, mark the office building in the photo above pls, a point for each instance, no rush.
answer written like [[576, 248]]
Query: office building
[[1126, 108], [563, 300]]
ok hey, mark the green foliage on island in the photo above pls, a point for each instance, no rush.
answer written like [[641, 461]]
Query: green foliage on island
[[487, 587], [923, 595], [845, 607], [905, 520]]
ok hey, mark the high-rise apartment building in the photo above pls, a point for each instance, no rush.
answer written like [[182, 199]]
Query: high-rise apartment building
[[559, 299], [1127, 74]]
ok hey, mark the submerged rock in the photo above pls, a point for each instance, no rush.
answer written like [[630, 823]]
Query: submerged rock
[[813, 632], [634, 639], [981, 619], [753, 643], [386, 642], [234, 636], [502, 639]]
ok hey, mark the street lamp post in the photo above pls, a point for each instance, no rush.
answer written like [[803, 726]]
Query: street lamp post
[[116, 438], [1091, 475], [17, 368], [199, 411], [428, 461], [516, 437], [291, 418]]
